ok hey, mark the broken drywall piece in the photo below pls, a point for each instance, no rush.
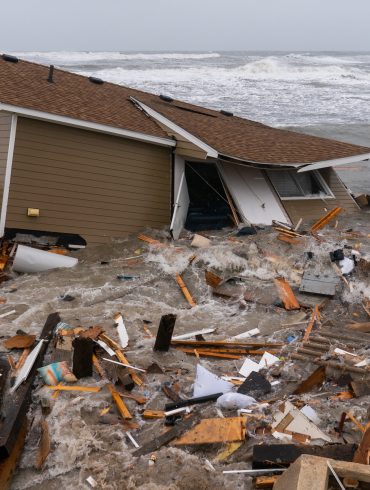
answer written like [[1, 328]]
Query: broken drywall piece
[[27, 366], [289, 420], [235, 401], [28, 259], [248, 367], [122, 332], [200, 241], [268, 360], [346, 265], [207, 383], [311, 414], [193, 334], [248, 334], [342, 352]]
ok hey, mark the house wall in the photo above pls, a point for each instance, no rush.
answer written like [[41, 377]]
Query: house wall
[[5, 123], [92, 184], [312, 209]]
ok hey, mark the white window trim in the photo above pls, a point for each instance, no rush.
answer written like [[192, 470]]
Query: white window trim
[[320, 178], [8, 174]]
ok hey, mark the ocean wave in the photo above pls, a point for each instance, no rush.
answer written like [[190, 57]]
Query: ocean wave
[[87, 57]]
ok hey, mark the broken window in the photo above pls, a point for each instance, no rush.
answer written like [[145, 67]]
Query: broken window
[[291, 185]]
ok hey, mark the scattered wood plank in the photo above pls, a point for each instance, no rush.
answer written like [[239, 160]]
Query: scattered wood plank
[[265, 481], [8, 465], [91, 389], [315, 316], [207, 353], [153, 414], [16, 405], [359, 327], [322, 222], [212, 279], [185, 291], [210, 431], [20, 342], [287, 239], [136, 378], [164, 334], [169, 435], [230, 449], [44, 445], [315, 379], [286, 294], [150, 240], [226, 343]]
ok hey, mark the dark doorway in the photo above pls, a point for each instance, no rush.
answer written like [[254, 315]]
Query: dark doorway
[[208, 208]]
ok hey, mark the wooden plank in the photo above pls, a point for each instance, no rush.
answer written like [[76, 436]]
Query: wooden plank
[[168, 436], [185, 291], [265, 481], [207, 353], [90, 389], [315, 379], [153, 414], [286, 294], [9, 464], [315, 315], [44, 445], [226, 343], [322, 222], [288, 239], [230, 449], [212, 279], [210, 431], [16, 405], [164, 334]]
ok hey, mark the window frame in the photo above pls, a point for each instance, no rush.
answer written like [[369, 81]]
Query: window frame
[[320, 178]]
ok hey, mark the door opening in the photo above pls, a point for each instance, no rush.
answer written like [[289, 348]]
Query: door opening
[[209, 208]]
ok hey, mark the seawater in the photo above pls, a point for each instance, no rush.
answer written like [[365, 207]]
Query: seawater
[[322, 93]]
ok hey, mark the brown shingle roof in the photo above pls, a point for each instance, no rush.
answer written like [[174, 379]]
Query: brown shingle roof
[[250, 140], [25, 84]]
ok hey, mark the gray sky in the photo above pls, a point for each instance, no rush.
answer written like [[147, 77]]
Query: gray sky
[[168, 25]]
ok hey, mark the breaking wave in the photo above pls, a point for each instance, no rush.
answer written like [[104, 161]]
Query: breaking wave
[[83, 57]]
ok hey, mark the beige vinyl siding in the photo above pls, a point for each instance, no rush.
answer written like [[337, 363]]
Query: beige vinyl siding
[[313, 209], [93, 184], [5, 123]]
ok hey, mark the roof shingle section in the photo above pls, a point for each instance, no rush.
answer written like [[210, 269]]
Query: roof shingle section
[[24, 84]]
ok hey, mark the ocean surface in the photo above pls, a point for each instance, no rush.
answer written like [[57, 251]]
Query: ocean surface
[[322, 93]]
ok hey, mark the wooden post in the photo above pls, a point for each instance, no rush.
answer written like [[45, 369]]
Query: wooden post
[[164, 334], [82, 357]]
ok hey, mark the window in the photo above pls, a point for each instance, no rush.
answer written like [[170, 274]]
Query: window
[[291, 185]]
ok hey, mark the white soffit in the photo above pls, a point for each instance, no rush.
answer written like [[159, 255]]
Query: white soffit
[[335, 163], [70, 121], [211, 152]]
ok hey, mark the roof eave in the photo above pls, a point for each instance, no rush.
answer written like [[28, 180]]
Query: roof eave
[[335, 162], [79, 123]]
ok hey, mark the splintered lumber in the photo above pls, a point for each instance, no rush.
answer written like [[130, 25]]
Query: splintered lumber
[[16, 405], [150, 240], [315, 316], [272, 455], [153, 414], [227, 350], [287, 239], [185, 291], [207, 353], [210, 431], [359, 327], [44, 445], [286, 294], [92, 389], [20, 342], [265, 481], [9, 464], [164, 334], [315, 379], [169, 435], [332, 364], [121, 407], [230, 449], [325, 220], [212, 280], [226, 343]]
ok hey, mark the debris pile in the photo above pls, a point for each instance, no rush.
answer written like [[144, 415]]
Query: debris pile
[[213, 361]]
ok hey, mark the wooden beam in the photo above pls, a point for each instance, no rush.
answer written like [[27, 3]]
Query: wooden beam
[[286, 294], [185, 291], [322, 222], [16, 405], [164, 334]]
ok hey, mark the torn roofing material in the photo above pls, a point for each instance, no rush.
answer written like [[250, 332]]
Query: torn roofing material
[[25, 85]]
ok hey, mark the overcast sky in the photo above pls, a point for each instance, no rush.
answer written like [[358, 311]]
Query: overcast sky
[[168, 25]]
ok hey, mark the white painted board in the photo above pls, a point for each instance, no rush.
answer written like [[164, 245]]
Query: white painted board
[[252, 194]]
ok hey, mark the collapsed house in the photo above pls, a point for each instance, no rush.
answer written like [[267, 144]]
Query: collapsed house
[[81, 156]]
